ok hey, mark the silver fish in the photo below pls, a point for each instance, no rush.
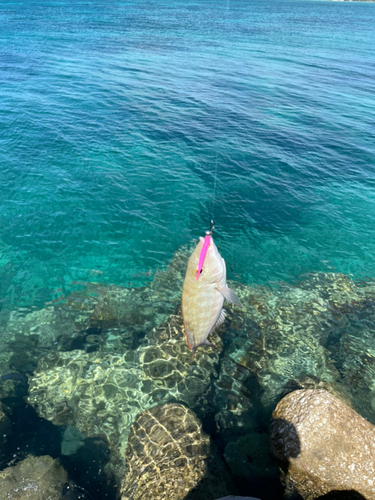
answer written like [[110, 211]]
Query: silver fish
[[202, 299]]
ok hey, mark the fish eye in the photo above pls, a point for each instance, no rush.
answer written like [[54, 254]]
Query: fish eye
[[200, 272]]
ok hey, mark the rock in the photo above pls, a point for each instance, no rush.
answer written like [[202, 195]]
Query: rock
[[35, 478], [100, 393], [233, 400], [354, 353], [170, 457], [72, 441], [323, 445], [279, 336]]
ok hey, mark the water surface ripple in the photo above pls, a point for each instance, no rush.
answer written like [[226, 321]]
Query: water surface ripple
[[114, 116]]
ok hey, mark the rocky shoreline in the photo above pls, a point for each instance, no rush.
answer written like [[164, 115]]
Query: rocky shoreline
[[106, 362]]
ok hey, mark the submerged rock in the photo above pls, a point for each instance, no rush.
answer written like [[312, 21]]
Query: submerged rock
[[169, 456], [281, 338], [35, 478], [233, 399], [72, 441], [289, 332], [323, 445], [100, 394]]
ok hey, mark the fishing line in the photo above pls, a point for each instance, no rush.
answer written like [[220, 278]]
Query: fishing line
[[217, 151], [214, 194], [212, 227]]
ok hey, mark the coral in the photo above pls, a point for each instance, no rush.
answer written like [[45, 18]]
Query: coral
[[170, 457]]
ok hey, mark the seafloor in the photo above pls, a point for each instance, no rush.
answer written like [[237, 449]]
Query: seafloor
[[75, 374]]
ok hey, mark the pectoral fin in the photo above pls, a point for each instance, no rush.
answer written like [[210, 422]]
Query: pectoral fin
[[229, 295]]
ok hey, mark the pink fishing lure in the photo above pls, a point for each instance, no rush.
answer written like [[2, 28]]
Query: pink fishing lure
[[206, 244]]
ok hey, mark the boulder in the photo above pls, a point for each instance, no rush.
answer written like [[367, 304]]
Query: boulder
[[170, 457], [280, 335], [35, 478], [100, 394], [323, 445]]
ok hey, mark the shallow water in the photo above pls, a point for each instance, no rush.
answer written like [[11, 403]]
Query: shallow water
[[125, 127]]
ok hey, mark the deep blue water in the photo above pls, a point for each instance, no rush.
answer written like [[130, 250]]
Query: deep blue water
[[115, 115]]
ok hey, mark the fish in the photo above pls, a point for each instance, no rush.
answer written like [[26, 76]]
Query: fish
[[203, 294]]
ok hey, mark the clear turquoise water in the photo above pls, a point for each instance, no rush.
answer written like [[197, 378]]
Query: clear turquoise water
[[114, 116], [126, 126]]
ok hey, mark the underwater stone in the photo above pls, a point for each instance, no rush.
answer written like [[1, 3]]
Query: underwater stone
[[279, 336], [25, 337], [233, 401], [72, 441], [354, 354], [101, 393], [35, 478], [323, 445], [13, 385], [169, 456], [47, 325]]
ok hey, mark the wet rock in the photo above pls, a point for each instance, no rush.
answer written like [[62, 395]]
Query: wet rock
[[35, 478], [354, 353], [233, 400], [281, 333], [101, 393], [323, 445], [72, 441], [27, 336], [169, 456]]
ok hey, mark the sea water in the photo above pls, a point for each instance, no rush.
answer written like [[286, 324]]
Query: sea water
[[125, 127], [118, 119]]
